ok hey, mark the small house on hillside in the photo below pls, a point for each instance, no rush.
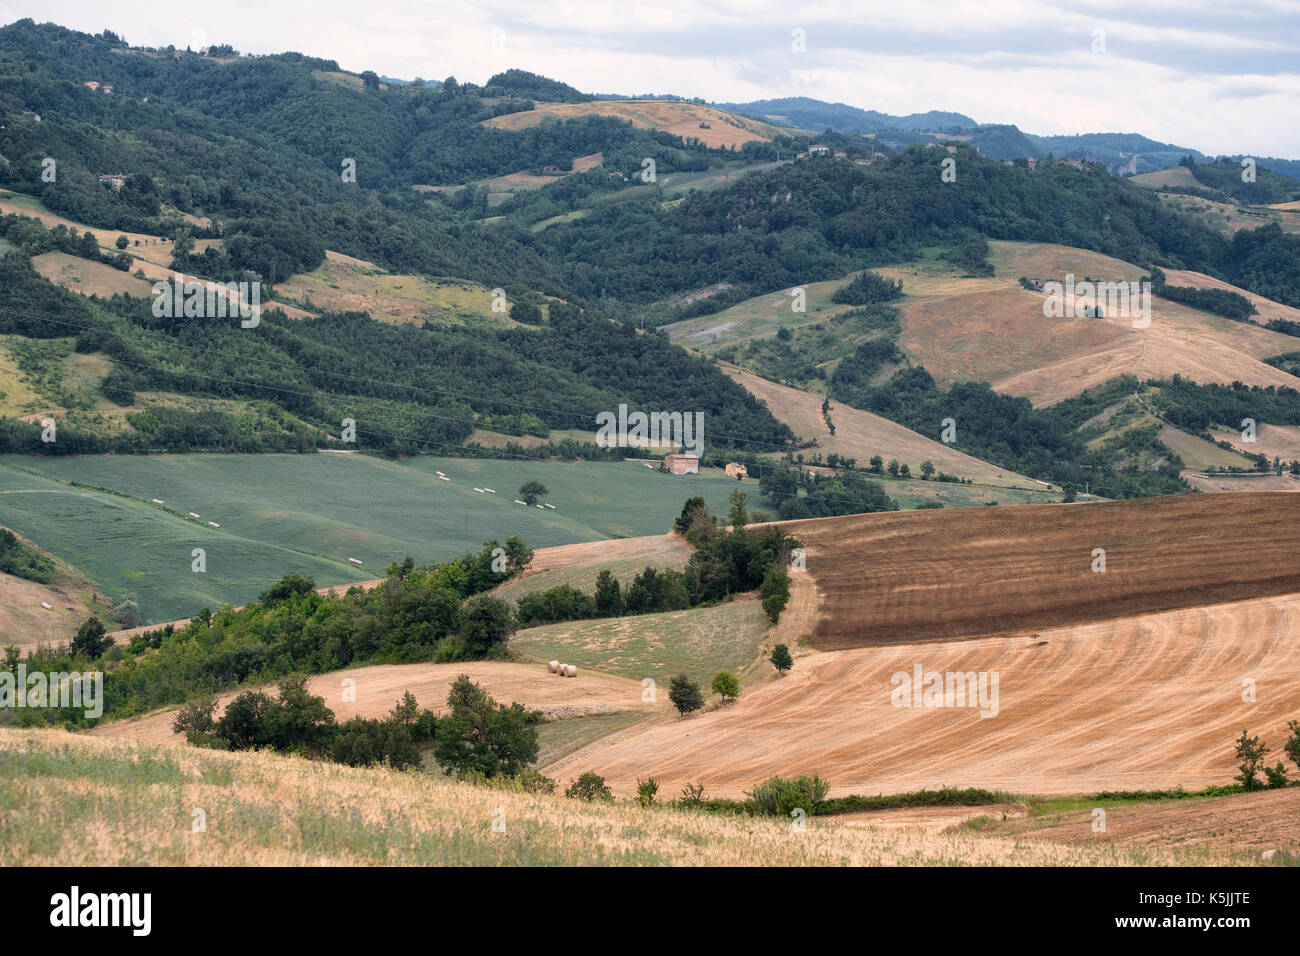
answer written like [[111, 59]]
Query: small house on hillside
[[816, 149], [682, 464], [116, 180], [737, 471]]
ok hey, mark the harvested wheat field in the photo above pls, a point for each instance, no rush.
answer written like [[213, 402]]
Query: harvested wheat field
[[89, 278], [1243, 481], [903, 577], [262, 809], [1266, 308], [379, 687], [860, 434], [681, 119], [1272, 441], [962, 330], [1145, 702]]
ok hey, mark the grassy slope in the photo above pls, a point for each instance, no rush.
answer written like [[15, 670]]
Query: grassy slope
[[282, 514], [94, 802], [697, 642]]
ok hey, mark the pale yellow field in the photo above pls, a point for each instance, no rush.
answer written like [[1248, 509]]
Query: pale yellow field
[[961, 330], [860, 434], [1274, 441], [342, 284], [319, 814], [89, 278], [680, 119], [380, 686]]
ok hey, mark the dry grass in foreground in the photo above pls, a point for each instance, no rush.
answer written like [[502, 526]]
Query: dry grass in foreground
[[78, 801]]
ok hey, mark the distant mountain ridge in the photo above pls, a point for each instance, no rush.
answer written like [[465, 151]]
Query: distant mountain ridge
[[1121, 153]]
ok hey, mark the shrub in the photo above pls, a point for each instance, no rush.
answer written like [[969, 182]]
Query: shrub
[[646, 790], [726, 684], [692, 795], [1276, 775], [591, 788], [777, 796], [196, 722], [685, 695]]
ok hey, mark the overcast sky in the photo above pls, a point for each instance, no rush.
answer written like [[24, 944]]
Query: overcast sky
[[1221, 76]]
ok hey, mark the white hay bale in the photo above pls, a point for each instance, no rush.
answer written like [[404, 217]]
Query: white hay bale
[[552, 507], [443, 478], [490, 491], [479, 490], [1269, 854], [48, 607], [648, 465], [553, 667], [543, 507], [194, 516], [354, 561], [213, 524], [518, 502], [570, 670], [156, 501], [439, 473]]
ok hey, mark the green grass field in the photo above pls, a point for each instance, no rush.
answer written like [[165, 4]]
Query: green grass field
[[308, 514], [698, 642], [758, 317]]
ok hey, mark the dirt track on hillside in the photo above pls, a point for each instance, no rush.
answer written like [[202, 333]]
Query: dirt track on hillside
[[1143, 702], [902, 577]]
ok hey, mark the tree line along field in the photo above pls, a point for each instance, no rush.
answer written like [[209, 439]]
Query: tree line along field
[[308, 514]]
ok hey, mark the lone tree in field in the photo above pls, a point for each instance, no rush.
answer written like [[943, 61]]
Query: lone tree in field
[[685, 695], [530, 491], [781, 659], [1250, 751], [726, 684]]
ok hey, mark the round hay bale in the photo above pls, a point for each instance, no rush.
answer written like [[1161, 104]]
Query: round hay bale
[[553, 667], [570, 670]]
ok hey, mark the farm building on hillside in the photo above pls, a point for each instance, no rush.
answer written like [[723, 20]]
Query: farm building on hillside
[[682, 464], [737, 471], [116, 180]]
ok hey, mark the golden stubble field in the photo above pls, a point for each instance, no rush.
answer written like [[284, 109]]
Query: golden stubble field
[[79, 801], [1149, 701]]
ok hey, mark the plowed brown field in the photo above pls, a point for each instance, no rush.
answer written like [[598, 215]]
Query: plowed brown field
[[1145, 702], [904, 577]]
